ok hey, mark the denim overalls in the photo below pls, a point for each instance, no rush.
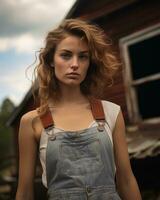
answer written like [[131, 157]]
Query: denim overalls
[[80, 164]]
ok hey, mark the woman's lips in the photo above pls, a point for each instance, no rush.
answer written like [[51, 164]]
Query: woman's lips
[[73, 75]]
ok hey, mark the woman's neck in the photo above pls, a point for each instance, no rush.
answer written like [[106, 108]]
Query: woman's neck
[[71, 96]]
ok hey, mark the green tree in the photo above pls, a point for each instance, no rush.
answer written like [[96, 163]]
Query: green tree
[[6, 109], [7, 106]]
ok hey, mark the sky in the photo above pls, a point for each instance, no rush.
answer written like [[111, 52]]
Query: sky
[[23, 28]]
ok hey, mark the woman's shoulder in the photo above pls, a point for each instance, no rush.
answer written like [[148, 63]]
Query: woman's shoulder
[[31, 121], [29, 116]]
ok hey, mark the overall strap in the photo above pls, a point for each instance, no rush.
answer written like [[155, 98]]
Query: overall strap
[[97, 109], [46, 119]]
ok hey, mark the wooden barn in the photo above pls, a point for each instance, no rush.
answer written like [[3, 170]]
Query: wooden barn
[[134, 27]]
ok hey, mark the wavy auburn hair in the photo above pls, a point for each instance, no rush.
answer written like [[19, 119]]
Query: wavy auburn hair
[[103, 63]]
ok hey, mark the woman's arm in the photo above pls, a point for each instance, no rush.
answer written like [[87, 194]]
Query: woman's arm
[[27, 159], [126, 183]]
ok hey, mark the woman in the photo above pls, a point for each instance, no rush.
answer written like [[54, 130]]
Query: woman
[[81, 140]]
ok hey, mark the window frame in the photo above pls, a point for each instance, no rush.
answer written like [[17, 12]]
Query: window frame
[[131, 97]]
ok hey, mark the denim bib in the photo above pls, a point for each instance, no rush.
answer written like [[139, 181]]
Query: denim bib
[[80, 164]]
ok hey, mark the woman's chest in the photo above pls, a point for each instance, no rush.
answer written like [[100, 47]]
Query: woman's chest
[[68, 120], [72, 119]]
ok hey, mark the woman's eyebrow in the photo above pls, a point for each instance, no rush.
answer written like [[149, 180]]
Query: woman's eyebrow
[[66, 50], [84, 52]]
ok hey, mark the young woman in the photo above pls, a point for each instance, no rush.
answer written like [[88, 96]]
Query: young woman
[[81, 139]]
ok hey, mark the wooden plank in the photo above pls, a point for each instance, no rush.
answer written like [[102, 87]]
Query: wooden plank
[[99, 9], [131, 19]]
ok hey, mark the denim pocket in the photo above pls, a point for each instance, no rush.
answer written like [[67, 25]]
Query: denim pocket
[[108, 196], [81, 158], [67, 196]]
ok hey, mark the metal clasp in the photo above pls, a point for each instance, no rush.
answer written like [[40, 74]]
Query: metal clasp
[[100, 125], [50, 133], [88, 191], [52, 137]]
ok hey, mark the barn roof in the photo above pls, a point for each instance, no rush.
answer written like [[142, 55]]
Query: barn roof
[[18, 110]]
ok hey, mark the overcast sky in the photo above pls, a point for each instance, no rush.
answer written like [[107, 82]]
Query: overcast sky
[[23, 27]]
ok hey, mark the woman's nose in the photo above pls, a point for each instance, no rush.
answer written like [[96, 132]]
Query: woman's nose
[[74, 63]]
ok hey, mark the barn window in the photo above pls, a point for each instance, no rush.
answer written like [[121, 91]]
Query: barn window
[[141, 56]]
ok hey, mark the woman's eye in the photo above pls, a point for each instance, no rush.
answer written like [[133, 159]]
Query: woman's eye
[[85, 57], [65, 56]]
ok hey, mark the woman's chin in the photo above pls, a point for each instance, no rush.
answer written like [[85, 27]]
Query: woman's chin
[[71, 83]]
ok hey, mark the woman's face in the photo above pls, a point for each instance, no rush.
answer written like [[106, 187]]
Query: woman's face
[[71, 61]]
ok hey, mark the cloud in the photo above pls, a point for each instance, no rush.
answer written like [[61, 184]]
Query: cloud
[[17, 81], [14, 83], [25, 43], [19, 16], [25, 22], [23, 27]]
